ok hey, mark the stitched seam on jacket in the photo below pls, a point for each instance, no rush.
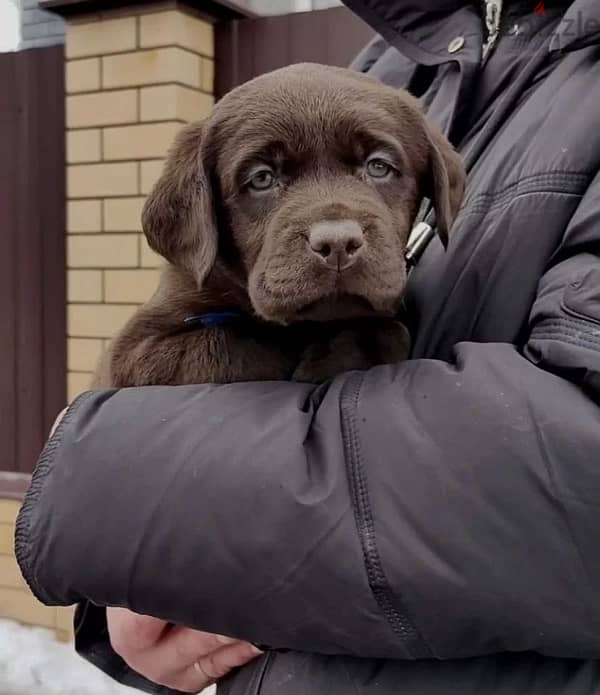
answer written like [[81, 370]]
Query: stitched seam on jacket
[[544, 179], [569, 323], [567, 331], [566, 338], [564, 183], [391, 604], [573, 331], [509, 200], [23, 540], [575, 315]]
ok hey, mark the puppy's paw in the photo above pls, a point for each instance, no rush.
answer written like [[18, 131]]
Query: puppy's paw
[[324, 360], [390, 343], [355, 349]]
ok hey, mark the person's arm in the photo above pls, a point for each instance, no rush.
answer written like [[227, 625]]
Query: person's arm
[[424, 509]]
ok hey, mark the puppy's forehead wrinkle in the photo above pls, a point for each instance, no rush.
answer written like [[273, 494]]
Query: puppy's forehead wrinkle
[[307, 148], [301, 118]]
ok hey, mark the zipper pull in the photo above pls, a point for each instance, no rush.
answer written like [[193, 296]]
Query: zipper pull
[[420, 236], [493, 12]]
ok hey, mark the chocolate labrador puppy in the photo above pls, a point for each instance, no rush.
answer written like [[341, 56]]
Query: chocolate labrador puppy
[[284, 218]]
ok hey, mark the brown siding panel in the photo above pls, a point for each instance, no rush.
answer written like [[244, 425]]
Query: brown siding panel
[[246, 48], [308, 40], [54, 243], [32, 255], [9, 117], [29, 301]]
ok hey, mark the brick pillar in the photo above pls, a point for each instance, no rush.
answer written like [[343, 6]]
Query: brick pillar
[[131, 81]]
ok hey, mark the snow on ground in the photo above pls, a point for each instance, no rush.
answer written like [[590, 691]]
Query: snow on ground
[[33, 662]]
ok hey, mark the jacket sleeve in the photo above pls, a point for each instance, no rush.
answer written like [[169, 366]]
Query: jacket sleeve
[[428, 509]]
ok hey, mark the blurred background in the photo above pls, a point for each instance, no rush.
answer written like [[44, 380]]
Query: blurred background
[[92, 93]]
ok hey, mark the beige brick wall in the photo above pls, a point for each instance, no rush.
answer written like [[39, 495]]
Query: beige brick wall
[[16, 601], [132, 82]]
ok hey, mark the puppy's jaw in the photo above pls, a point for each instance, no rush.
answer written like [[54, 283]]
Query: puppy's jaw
[[339, 305], [307, 289]]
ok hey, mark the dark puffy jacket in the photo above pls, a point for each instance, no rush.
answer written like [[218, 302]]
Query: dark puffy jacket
[[427, 528]]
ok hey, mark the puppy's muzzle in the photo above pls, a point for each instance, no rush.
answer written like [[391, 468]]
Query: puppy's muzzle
[[338, 244]]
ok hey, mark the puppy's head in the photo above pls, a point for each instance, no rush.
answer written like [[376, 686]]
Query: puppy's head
[[302, 187]]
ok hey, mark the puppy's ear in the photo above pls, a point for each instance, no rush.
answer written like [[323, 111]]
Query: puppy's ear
[[445, 182], [178, 217]]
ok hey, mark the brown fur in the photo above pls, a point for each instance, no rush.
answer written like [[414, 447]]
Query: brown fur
[[228, 245]]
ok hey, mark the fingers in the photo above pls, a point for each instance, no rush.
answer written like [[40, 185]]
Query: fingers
[[218, 663], [212, 667], [191, 660], [183, 646], [176, 657]]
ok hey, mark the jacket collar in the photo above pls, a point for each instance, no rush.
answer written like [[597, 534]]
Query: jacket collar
[[423, 29], [579, 27]]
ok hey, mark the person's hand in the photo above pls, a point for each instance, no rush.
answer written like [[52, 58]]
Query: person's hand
[[175, 657]]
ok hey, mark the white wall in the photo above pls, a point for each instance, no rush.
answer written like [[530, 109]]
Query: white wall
[[10, 25], [38, 27], [284, 6]]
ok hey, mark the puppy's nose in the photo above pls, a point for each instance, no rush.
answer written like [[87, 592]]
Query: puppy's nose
[[338, 243]]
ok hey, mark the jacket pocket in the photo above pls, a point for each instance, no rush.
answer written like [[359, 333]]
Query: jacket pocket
[[567, 340], [581, 299]]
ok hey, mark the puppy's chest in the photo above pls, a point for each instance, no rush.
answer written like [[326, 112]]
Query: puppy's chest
[[232, 353], [309, 353]]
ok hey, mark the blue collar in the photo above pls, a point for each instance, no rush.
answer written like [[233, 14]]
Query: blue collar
[[213, 318]]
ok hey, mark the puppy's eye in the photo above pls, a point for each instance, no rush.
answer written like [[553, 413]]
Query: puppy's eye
[[378, 168], [261, 180]]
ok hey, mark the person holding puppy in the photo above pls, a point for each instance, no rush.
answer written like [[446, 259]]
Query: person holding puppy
[[428, 527]]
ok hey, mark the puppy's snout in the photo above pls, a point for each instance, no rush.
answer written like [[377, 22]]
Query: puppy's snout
[[338, 243]]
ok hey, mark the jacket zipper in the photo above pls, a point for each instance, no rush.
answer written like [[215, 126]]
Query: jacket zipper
[[493, 12], [390, 602], [422, 232]]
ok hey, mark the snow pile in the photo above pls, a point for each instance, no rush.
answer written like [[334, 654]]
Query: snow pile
[[33, 662]]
